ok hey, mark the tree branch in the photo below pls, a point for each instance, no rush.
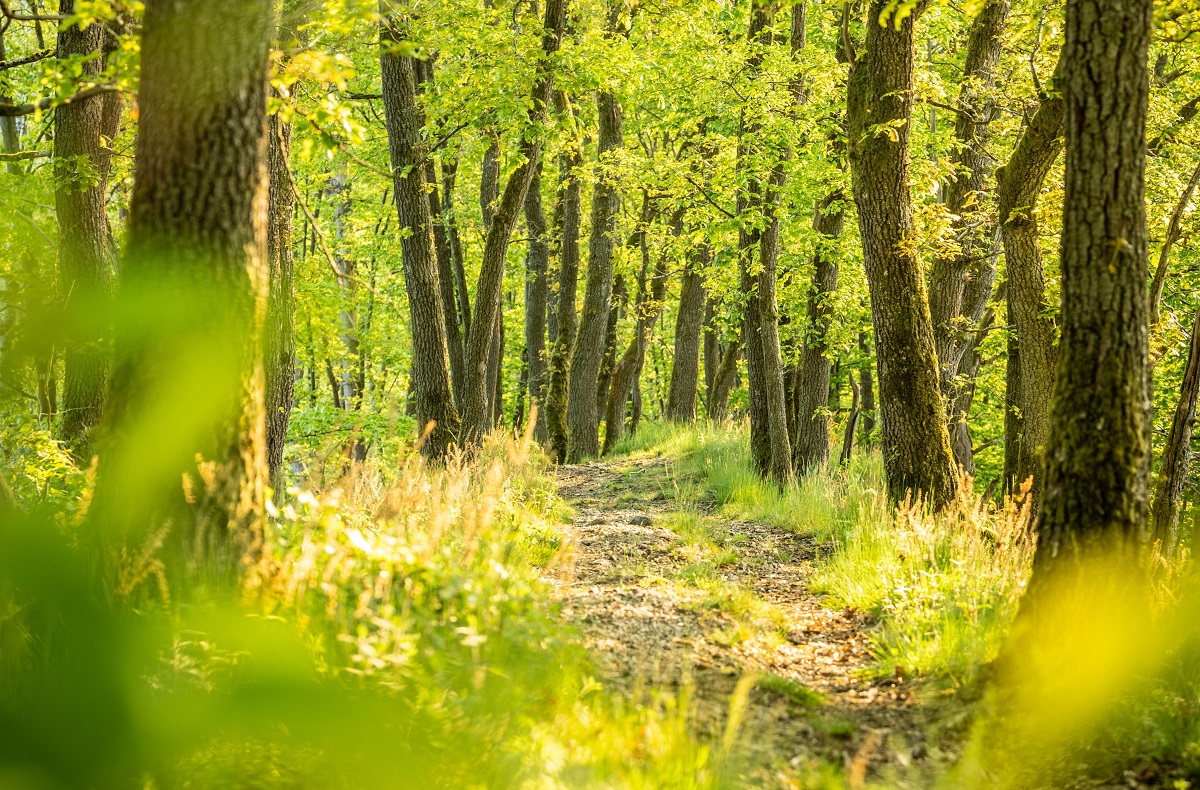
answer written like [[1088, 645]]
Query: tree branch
[[8, 12], [5, 65], [14, 110], [21, 156]]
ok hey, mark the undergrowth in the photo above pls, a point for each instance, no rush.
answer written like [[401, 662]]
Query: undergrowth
[[945, 590], [403, 635]]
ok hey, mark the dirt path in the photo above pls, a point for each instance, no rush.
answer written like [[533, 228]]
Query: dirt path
[[668, 594]]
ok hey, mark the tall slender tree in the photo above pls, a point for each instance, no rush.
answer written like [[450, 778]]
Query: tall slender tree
[[477, 409], [916, 444], [436, 412], [83, 135]]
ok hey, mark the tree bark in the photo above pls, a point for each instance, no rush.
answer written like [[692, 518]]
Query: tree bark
[[279, 330], [759, 236], [812, 392], [916, 445], [1177, 452], [583, 421], [427, 314], [685, 367], [866, 383], [1097, 468], [723, 381], [537, 289], [1020, 184], [627, 372], [186, 399], [569, 203], [83, 134], [477, 416], [959, 285]]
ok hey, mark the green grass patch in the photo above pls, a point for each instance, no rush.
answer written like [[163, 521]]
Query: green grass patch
[[791, 690]]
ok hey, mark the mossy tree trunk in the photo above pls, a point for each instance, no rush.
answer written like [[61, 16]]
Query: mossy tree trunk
[[916, 445]]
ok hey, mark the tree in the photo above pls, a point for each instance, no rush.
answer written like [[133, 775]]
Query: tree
[[537, 291], [685, 368], [186, 399], [1019, 184], [1097, 464], [961, 284], [568, 208], [583, 419], [431, 360], [916, 445], [83, 134], [477, 408]]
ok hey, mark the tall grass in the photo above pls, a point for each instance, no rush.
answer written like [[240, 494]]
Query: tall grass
[[402, 635]]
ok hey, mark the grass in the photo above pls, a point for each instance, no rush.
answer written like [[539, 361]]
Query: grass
[[945, 589], [401, 623]]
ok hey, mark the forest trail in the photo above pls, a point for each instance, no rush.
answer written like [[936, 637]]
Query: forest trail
[[667, 594]]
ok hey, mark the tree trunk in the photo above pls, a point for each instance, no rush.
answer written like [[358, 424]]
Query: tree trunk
[[186, 399], [627, 372], [537, 262], [462, 294], [569, 211], [685, 366], [83, 132], [759, 235], [916, 445], [723, 381], [866, 383], [712, 349], [279, 330], [443, 246], [1014, 428], [583, 421], [1177, 453], [620, 301], [812, 392], [477, 414], [959, 285], [433, 392], [1019, 187], [1097, 467]]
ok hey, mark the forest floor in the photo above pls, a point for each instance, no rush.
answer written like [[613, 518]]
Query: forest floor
[[672, 598]]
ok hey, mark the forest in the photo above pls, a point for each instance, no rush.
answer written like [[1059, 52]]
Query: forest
[[599, 393]]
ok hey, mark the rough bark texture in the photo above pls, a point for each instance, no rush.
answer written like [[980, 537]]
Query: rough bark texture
[[192, 388], [279, 328], [916, 445], [866, 383], [569, 211], [583, 420], [462, 294], [1019, 184], [712, 350], [723, 381], [758, 247], [427, 316], [1177, 452], [83, 132], [1097, 467], [685, 366], [812, 390], [477, 409], [959, 285], [537, 288], [1014, 428]]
